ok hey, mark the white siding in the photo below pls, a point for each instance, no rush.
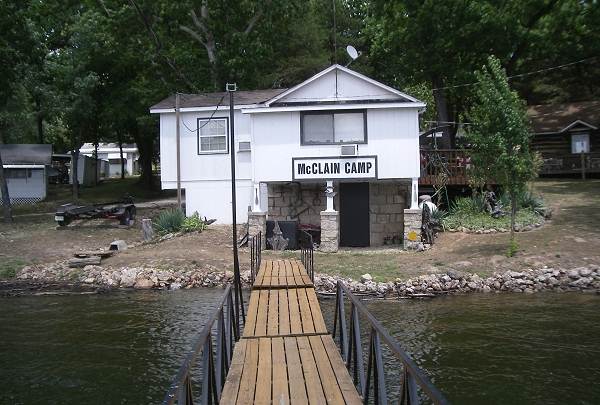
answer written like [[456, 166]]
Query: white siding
[[31, 188], [392, 136], [206, 177], [203, 167], [348, 86], [212, 199]]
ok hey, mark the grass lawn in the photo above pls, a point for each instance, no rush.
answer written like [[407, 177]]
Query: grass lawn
[[107, 190], [382, 264], [9, 267]]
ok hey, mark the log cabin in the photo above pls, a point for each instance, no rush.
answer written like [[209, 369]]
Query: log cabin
[[567, 137]]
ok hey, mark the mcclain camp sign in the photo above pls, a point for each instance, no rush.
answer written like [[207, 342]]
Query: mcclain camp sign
[[363, 167]]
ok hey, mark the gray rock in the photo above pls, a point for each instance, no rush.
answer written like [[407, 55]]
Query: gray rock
[[175, 286], [455, 274], [582, 282], [118, 245], [366, 278], [584, 272], [574, 274], [143, 283]]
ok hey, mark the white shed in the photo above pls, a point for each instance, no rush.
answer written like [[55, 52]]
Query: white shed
[[339, 133], [25, 171]]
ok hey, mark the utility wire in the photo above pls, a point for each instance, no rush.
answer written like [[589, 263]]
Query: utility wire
[[209, 118], [522, 74], [475, 83]]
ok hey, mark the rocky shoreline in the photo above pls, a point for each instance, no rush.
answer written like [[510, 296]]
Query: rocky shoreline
[[449, 282]]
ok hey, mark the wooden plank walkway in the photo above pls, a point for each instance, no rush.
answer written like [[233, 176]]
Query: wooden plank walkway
[[286, 355]]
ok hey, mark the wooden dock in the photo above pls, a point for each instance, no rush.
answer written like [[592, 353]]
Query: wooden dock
[[286, 355]]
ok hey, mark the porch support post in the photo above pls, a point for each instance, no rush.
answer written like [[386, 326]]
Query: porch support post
[[257, 220], [414, 199], [330, 224], [329, 194]]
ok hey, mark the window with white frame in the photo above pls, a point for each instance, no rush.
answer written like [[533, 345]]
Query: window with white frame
[[212, 135], [580, 143], [330, 127]]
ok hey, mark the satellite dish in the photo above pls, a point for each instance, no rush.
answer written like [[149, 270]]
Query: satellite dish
[[352, 52]]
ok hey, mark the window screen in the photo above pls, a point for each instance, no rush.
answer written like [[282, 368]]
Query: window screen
[[336, 127], [212, 135], [349, 127], [318, 128]]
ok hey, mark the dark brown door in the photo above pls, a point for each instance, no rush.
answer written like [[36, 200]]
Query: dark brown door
[[354, 214]]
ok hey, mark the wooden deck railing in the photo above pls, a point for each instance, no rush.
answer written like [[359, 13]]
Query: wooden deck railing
[[449, 166], [572, 163], [444, 167]]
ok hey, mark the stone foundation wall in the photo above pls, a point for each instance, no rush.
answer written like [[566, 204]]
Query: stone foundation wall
[[297, 201], [387, 202], [257, 222]]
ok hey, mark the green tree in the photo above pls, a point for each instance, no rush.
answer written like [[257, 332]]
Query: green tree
[[500, 136], [15, 41]]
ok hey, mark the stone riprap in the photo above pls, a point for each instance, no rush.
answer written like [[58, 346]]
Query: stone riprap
[[451, 281]]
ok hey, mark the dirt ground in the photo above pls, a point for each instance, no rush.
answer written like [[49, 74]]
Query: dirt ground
[[570, 239]]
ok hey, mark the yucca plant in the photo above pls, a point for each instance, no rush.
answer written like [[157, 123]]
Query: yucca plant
[[532, 201], [169, 221], [473, 204]]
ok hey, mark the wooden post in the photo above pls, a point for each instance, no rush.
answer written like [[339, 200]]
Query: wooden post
[[6, 204], [178, 149], [582, 165], [147, 229]]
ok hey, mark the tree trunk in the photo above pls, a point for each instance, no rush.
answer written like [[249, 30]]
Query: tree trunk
[[145, 146], [513, 215], [121, 153], [443, 116], [147, 229], [40, 121], [74, 173], [6, 205]]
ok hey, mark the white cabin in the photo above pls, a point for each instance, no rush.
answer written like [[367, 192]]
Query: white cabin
[[110, 152], [338, 132]]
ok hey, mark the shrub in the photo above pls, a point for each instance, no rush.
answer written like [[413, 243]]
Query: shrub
[[513, 247], [473, 204], [169, 221], [193, 223], [533, 202]]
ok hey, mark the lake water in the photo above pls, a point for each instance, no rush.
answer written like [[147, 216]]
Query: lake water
[[124, 347]]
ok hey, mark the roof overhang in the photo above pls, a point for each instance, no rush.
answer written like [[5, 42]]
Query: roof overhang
[[24, 166], [333, 107], [576, 123], [200, 109]]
